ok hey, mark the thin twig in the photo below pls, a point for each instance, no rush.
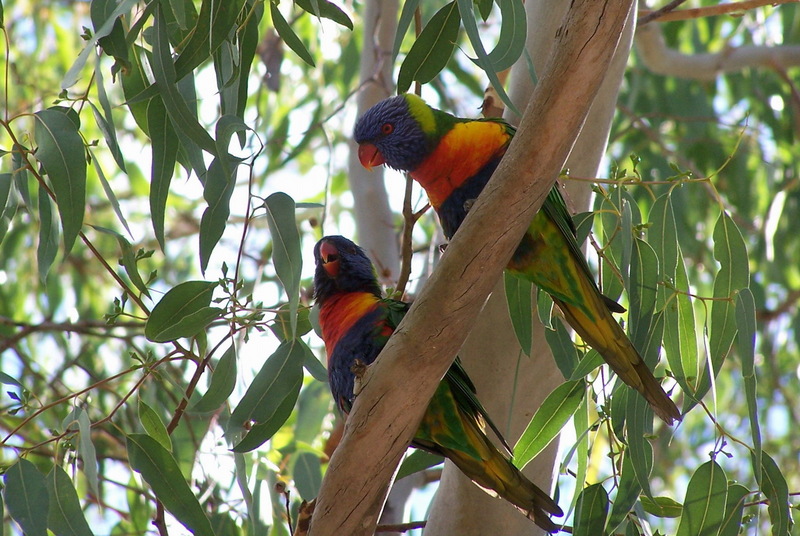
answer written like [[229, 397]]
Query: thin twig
[[710, 11], [659, 12], [401, 527]]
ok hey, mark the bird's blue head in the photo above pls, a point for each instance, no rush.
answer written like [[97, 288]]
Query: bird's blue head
[[342, 267], [397, 132]]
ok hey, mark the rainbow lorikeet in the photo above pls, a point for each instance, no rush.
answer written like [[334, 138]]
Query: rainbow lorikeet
[[453, 158], [356, 324]]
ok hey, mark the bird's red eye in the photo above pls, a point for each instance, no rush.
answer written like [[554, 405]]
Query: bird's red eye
[[387, 128]]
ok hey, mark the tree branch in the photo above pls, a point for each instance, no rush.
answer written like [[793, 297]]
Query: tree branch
[[670, 14], [386, 415], [661, 59]]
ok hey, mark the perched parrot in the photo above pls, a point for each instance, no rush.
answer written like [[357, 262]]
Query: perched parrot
[[356, 324], [452, 159]]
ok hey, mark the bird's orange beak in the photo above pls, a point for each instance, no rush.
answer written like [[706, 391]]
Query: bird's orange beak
[[330, 258], [370, 156]]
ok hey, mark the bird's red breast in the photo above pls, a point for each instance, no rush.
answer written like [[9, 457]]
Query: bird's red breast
[[460, 154], [340, 312]]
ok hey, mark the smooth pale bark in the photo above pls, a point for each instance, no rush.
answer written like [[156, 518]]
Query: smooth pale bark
[[660, 59], [491, 353], [395, 390], [374, 219]]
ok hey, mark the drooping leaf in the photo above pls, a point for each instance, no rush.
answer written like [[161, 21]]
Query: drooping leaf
[[289, 36], [745, 343], [127, 259], [775, 488], [60, 150], [520, 308], [734, 510], [548, 420], [704, 505], [105, 28], [161, 472], [223, 380], [562, 347], [639, 419], [513, 32], [418, 460], [214, 25], [406, 16], [25, 496], [286, 256], [65, 513], [183, 312], [266, 399], [307, 474], [105, 119], [153, 425], [662, 506], [166, 81], [432, 49], [327, 10], [591, 511], [733, 275], [164, 147], [483, 61], [47, 249], [217, 193], [628, 489]]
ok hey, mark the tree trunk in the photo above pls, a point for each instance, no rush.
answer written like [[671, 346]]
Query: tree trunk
[[395, 389], [491, 353], [374, 220]]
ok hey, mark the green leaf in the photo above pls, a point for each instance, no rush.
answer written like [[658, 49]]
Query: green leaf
[[153, 426], [110, 195], [417, 461], [552, 415], [85, 447], [642, 291], [482, 60], [562, 347], [25, 495], [8, 205], [223, 380], [289, 37], [432, 50], [182, 312], [513, 32], [680, 336], [286, 255], [734, 509], [161, 472], [60, 150], [105, 120], [327, 10], [105, 28], [591, 511], [745, 342], [217, 193], [704, 505], [639, 418], [307, 474], [406, 16], [274, 419], [164, 147], [47, 248], [588, 363], [733, 276], [214, 25], [65, 516], [774, 487], [662, 506], [128, 259], [628, 490], [520, 308], [182, 117], [277, 383]]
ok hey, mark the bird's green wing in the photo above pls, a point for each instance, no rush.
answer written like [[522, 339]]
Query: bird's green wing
[[464, 393]]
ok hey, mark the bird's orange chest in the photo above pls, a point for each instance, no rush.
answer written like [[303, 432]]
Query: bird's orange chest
[[460, 154], [341, 312]]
